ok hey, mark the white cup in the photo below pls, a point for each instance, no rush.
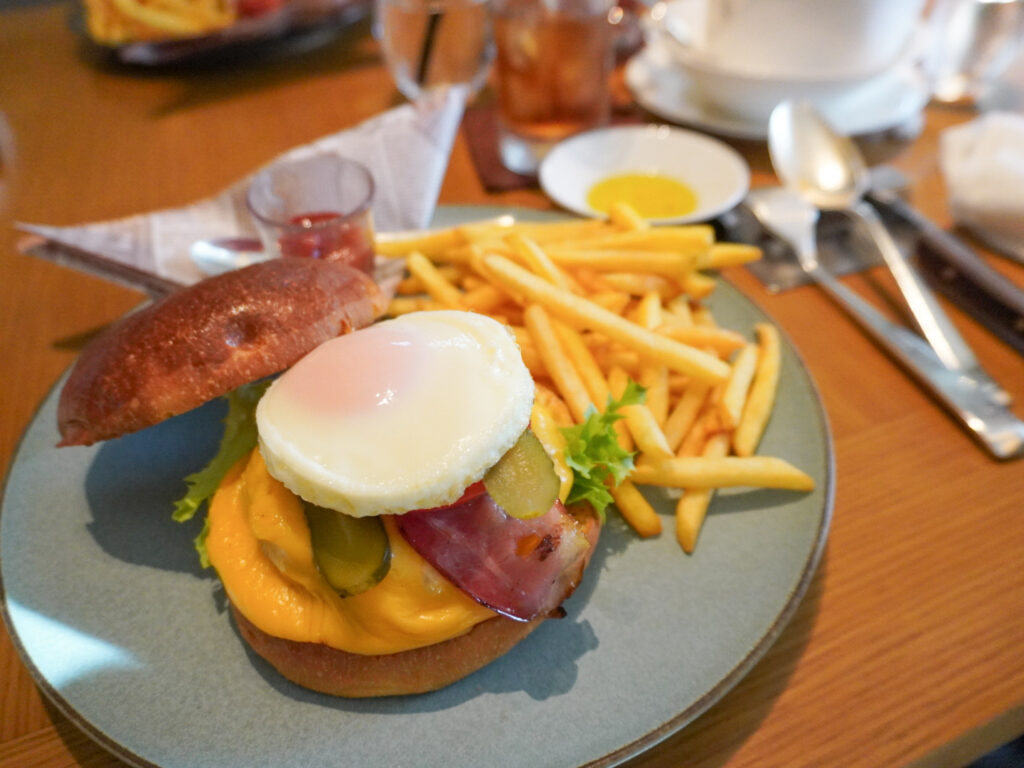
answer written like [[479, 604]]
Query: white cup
[[825, 38]]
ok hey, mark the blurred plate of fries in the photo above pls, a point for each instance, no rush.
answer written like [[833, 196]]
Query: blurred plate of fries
[[155, 33], [652, 638]]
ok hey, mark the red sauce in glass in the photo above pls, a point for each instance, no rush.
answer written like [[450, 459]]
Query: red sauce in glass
[[327, 235]]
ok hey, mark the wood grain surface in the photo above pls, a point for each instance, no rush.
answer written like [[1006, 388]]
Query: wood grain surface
[[907, 648]]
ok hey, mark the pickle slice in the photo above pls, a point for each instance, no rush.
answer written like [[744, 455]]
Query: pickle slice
[[524, 482], [353, 553]]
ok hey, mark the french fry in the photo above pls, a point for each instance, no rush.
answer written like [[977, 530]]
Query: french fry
[[728, 255], [613, 301], [641, 422], [723, 341], [484, 298], [529, 352], [761, 398], [625, 216], [540, 263], [677, 312], [403, 305], [703, 428], [436, 284], [692, 507], [431, 243], [601, 260], [681, 420], [637, 284], [653, 377], [554, 404], [593, 282], [734, 393], [414, 285], [560, 369], [583, 361], [584, 315], [724, 472], [172, 23], [697, 285], [636, 510], [693, 240], [542, 232]]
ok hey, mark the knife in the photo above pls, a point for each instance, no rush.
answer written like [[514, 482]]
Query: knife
[[953, 268]]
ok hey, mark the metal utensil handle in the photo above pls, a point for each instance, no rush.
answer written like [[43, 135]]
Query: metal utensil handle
[[935, 324], [962, 275], [997, 429]]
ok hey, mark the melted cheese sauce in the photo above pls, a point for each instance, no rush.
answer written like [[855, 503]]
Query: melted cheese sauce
[[652, 195], [259, 543]]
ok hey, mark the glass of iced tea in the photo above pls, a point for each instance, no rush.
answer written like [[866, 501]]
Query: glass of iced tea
[[554, 62], [316, 207], [429, 43]]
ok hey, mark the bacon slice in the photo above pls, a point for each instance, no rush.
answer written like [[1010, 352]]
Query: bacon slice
[[522, 569]]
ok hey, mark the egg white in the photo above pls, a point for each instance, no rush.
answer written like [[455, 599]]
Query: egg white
[[399, 416]]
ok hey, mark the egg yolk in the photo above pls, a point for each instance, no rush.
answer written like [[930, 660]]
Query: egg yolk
[[651, 195]]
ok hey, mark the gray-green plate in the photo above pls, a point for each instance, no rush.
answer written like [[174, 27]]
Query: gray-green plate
[[111, 613]]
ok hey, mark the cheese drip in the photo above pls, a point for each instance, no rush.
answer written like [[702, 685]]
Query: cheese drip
[[259, 543]]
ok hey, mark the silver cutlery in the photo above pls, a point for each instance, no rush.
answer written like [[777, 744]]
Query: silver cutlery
[[828, 170], [952, 267], [973, 402]]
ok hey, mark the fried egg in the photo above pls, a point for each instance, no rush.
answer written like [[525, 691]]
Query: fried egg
[[403, 415]]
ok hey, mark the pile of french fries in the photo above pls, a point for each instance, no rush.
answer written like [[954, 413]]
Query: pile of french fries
[[596, 303], [114, 22]]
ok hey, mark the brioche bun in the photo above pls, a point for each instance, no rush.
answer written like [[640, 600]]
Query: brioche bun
[[204, 341]]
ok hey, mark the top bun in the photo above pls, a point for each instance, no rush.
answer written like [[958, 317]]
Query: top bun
[[206, 340]]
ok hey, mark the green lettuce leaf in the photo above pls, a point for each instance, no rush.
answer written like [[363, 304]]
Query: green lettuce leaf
[[594, 454], [239, 439]]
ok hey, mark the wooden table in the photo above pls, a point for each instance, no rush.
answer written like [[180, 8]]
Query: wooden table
[[907, 648]]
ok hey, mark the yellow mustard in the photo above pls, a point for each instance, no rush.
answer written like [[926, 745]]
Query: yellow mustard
[[652, 195]]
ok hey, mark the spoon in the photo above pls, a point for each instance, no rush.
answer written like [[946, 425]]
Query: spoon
[[827, 170]]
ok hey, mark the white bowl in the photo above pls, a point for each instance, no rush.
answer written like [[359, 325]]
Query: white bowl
[[714, 171], [765, 58]]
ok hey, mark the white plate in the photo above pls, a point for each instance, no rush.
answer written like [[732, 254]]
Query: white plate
[[717, 174], [663, 88], [105, 601]]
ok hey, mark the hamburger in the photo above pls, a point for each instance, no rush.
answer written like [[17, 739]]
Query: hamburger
[[379, 513]]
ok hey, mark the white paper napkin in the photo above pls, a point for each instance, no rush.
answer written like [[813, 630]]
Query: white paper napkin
[[983, 165], [406, 150]]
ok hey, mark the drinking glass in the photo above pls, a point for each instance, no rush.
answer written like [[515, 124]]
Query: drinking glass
[[554, 62], [316, 207], [975, 41], [429, 43]]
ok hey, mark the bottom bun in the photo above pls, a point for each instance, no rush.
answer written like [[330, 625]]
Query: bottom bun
[[339, 673]]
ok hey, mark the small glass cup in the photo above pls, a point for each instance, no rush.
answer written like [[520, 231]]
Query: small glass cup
[[316, 207], [555, 58], [428, 43], [975, 41]]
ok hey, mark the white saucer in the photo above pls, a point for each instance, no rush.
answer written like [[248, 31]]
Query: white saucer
[[716, 173], [663, 88]]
